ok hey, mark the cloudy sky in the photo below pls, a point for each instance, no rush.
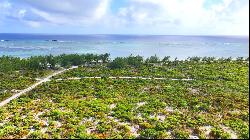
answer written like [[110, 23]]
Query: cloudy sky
[[173, 17]]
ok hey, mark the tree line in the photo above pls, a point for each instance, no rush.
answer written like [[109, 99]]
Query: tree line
[[9, 63]]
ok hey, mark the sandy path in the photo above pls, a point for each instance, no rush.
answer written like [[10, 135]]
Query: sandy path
[[127, 77], [33, 86]]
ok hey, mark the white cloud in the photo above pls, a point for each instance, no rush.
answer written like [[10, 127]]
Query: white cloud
[[33, 24], [101, 9], [73, 12], [138, 16], [189, 16], [22, 13], [5, 6], [54, 13]]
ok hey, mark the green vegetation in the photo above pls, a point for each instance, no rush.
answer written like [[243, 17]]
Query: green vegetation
[[17, 74], [215, 104], [8, 63], [14, 81]]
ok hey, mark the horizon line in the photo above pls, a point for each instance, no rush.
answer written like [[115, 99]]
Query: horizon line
[[128, 34]]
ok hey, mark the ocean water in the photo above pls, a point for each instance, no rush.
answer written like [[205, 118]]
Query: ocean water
[[25, 45]]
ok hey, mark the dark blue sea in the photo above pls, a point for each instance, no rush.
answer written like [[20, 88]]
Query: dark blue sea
[[25, 45]]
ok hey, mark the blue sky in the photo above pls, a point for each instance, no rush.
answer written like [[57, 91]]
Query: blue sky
[[174, 17]]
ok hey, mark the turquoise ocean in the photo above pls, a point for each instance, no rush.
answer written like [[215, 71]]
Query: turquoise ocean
[[26, 45]]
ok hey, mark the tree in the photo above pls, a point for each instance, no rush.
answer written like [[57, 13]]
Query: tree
[[105, 57], [240, 58], [89, 58], [135, 61], [34, 63], [208, 59], [194, 59], [118, 63], [63, 61], [51, 60], [153, 59], [166, 59]]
